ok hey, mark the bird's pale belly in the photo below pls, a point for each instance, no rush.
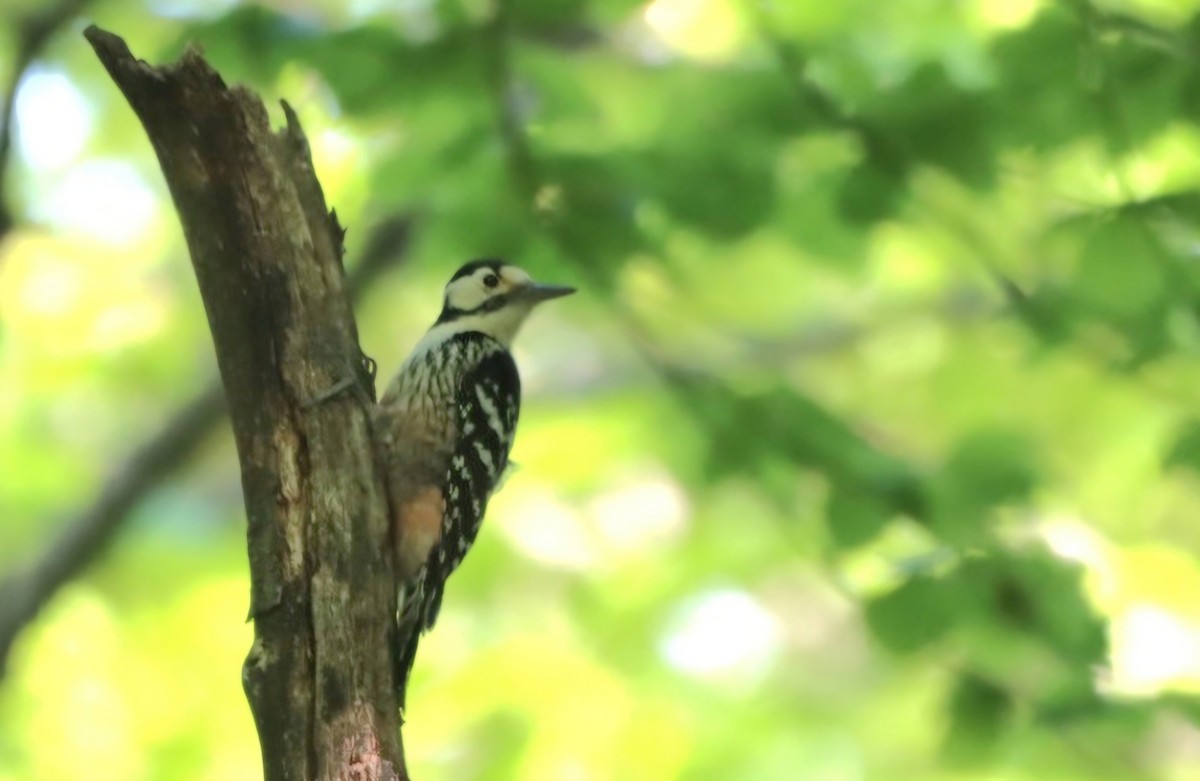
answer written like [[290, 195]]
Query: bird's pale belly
[[417, 526]]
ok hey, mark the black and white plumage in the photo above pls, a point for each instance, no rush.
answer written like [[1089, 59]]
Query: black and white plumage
[[445, 426]]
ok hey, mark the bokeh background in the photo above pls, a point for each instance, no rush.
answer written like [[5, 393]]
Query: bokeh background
[[868, 450]]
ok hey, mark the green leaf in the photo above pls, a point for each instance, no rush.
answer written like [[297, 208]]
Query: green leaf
[[1042, 595], [716, 193], [869, 195], [591, 206], [788, 424], [1032, 65], [912, 616], [713, 164], [1121, 269], [250, 43], [928, 119], [1186, 450], [1144, 88], [987, 469], [854, 517], [1069, 698], [547, 15], [980, 712], [372, 68]]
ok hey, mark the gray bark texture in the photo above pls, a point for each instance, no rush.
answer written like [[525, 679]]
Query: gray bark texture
[[268, 258]]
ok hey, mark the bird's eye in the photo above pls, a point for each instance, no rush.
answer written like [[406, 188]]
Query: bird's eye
[[491, 280]]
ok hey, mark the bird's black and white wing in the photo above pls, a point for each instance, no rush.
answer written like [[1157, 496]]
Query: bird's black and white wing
[[486, 405]]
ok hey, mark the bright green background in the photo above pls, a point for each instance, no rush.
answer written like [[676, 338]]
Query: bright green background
[[868, 450]]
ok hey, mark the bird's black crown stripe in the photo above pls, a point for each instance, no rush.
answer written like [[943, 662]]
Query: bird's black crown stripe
[[470, 268]]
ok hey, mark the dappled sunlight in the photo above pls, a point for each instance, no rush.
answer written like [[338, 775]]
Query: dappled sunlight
[[527, 675], [68, 297], [1075, 540], [340, 160], [641, 515], [547, 529], [1156, 622], [184, 9], [901, 550], [1147, 594], [597, 441], [1154, 651], [703, 29], [102, 200], [1164, 11], [904, 261], [71, 696], [1007, 14], [633, 518], [54, 119], [103, 683], [1168, 164], [723, 635]]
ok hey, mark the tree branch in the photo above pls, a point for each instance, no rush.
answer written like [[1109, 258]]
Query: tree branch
[[267, 256], [83, 539]]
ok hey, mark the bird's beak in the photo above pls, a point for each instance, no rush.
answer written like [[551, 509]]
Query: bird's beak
[[535, 293]]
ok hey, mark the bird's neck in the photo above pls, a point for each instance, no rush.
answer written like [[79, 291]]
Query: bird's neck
[[432, 371], [501, 326]]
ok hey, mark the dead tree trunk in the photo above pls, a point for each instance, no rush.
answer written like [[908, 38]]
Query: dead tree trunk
[[268, 258]]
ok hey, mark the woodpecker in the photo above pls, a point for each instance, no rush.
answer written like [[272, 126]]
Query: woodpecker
[[445, 426]]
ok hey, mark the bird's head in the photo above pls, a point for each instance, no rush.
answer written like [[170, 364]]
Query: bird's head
[[493, 297]]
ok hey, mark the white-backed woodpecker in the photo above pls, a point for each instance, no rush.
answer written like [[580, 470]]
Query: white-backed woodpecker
[[445, 426]]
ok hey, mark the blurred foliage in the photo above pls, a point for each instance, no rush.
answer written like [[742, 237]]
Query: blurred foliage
[[870, 451]]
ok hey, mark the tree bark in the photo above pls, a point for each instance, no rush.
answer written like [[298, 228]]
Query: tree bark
[[268, 259]]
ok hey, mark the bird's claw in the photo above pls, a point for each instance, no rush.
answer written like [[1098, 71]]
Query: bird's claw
[[362, 380], [337, 388], [367, 370]]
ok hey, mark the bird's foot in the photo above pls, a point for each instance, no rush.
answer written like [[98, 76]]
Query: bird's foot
[[361, 381]]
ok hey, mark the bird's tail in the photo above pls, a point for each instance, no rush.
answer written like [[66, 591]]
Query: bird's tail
[[404, 643]]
